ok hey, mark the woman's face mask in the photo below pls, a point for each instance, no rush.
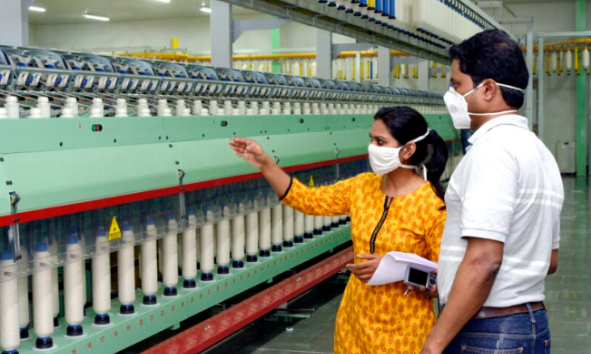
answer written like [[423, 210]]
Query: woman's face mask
[[458, 107], [384, 159]]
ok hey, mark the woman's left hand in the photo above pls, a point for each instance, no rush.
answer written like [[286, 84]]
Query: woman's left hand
[[365, 270]]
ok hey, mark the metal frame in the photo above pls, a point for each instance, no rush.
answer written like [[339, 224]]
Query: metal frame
[[221, 33], [581, 97], [334, 21]]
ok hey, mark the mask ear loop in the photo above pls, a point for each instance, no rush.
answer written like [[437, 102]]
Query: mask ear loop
[[423, 172]]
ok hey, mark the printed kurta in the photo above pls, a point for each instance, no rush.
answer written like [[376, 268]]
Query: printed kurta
[[379, 319]]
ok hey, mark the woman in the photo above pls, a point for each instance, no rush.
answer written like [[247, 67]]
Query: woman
[[399, 207]]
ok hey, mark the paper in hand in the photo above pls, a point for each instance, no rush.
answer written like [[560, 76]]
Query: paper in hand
[[393, 266]]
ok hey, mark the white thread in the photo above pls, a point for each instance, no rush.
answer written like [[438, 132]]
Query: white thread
[[265, 229], [241, 108], [228, 107], [198, 246], [223, 240], [299, 223], [179, 248], [213, 107], [101, 276], [55, 297], [277, 225], [73, 290], [170, 262], [190, 249], [336, 219], [288, 223], [327, 221], [308, 224], [180, 108], [9, 323], [149, 259], [207, 245], [318, 222], [23, 295], [238, 234], [126, 267], [42, 297], [197, 107], [254, 106], [83, 247], [252, 233]]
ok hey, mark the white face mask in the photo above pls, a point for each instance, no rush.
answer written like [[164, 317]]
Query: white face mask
[[458, 107], [385, 159]]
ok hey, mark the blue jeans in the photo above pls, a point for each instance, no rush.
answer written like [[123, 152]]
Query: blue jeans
[[526, 333]]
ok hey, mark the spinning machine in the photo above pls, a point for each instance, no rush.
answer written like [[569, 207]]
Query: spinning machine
[[123, 211]]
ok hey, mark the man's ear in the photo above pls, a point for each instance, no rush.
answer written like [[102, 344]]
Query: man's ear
[[489, 90]]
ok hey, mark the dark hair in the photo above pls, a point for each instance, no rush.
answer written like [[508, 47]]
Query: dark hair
[[406, 124], [492, 54]]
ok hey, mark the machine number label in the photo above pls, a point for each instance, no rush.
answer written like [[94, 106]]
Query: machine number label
[[114, 231]]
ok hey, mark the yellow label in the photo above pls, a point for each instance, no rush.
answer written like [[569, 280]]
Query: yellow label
[[114, 231], [311, 181]]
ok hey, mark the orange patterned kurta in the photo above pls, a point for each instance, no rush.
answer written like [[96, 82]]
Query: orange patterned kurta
[[379, 319]]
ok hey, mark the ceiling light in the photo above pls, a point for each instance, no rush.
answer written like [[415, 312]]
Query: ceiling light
[[36, 9], [98, 18], [205, 9], [164, 1]]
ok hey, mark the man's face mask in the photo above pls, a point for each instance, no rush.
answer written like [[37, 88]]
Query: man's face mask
[[458, 107]]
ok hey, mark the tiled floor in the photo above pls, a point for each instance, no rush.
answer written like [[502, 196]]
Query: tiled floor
[[313, 335], [568, 298], [568, 292]]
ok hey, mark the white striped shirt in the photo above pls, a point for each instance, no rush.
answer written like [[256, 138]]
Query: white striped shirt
[[507, 188]]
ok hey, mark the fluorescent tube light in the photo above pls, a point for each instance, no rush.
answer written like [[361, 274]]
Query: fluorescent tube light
[[206, 10], [36, 9], [98, 18], [164, 1]]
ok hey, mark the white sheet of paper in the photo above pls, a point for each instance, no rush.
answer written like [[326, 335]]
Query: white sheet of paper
[[392, 268]]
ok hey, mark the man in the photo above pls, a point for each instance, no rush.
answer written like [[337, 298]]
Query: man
[[503, 211]]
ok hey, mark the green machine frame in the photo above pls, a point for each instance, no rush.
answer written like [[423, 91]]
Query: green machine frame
[[59, 167]]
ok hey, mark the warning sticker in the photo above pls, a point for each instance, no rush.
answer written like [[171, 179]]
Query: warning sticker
[[114, 231]]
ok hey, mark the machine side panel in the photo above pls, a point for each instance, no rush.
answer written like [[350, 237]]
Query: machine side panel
[[53, 178], [296, 149], [209, 159], [5, 189], [29, 135], [214, 127]]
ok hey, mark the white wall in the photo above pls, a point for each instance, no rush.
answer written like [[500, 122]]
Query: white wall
[[559, 91], [193, 33]]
